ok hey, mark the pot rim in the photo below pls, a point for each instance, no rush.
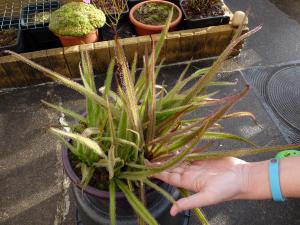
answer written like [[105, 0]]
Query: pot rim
[[154, 27], [72, 37], [89, 189]]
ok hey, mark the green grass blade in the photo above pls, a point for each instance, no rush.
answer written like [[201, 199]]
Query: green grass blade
[[136, 204]]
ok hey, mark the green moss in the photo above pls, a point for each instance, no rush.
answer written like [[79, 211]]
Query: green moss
[[76, 19]]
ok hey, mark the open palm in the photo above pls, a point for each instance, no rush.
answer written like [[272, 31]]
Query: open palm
[[213, 181]]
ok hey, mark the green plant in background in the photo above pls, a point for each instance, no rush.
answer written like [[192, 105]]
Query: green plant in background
[[76, 19], [154, 13], [141, 128]]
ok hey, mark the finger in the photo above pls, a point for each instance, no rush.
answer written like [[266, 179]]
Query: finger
[[179, 170], [200, 199], [170, 178]]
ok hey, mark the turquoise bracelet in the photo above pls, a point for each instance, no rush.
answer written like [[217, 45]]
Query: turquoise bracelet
[[275, 180]]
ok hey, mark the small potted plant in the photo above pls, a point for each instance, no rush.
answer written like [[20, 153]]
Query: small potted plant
[[140, 129], [114, 10], [149, 17], [77, 23], [10, 35], [35, 21], [204, 13]]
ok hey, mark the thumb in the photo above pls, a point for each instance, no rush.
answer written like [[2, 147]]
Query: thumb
[[193, 201]]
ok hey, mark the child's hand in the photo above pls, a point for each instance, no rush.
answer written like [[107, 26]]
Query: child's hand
[[213, 181]]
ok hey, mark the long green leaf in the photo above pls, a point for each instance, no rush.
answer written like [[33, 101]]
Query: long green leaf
[[160, 190], [210, 75], [81, 139], [65, 81], [240, 152], [220, 135], [112, 202], [136, 204]]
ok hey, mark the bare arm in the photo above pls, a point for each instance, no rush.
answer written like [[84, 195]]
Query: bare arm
[[215, 181], [259, 186]]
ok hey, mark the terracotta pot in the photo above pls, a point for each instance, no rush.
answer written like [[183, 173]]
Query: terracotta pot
[[73, 40], [144, 29]]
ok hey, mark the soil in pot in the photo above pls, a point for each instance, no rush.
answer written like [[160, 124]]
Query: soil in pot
[[8, 37], [154, 13], [212, 9]]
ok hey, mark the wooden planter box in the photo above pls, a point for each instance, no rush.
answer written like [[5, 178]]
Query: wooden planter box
[[180, 46]]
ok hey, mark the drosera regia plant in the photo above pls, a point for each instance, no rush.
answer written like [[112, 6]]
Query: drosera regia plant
[[140, 128]]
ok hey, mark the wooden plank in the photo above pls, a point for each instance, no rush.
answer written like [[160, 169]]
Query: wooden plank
[[224, 35], [72, 57], [4, 79], [14, 72], [34, 75], [210, 42], [57, 61], [130, 46], [187, 45], [102, 54], [143, 41], [199, 42], [172, 48]]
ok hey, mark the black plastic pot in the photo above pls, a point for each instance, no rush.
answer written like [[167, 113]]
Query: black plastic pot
[[37, 35], [93, 204], [203, 22], [6, 24]]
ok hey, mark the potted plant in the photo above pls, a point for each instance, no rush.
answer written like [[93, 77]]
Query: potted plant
[[140, 129], [204, 13], [149, 17], [113, 10], [35, 21], [77, 23], [116, 12], [10, 35]]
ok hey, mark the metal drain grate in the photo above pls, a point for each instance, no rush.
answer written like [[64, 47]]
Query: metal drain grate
[[30, 14], [278, 89], [283, 91]]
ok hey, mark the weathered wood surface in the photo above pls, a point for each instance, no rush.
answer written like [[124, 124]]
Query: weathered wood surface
[[179, 46]]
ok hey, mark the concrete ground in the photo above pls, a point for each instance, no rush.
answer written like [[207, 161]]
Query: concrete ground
[[34, 189]]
